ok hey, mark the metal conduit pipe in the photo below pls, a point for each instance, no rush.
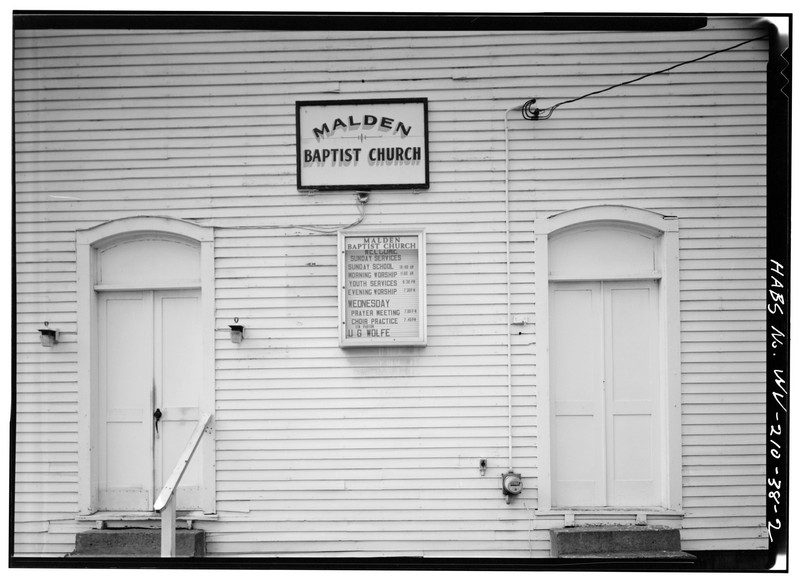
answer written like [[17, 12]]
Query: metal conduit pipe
[[508, 284]]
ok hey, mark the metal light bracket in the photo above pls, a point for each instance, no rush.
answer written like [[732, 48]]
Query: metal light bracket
[[47, 336], [237, 331]]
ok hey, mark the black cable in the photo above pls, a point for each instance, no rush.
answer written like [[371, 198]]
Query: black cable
[[534, 113]]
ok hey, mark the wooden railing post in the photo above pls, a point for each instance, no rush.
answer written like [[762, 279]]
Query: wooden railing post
[[165, 503], [168, 528]]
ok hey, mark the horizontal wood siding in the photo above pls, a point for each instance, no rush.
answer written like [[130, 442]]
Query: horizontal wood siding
[[375, 451]]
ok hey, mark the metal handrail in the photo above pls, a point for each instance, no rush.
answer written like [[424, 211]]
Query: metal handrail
[[165, 503]]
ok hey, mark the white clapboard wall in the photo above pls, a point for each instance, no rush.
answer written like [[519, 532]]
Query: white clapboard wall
[[375, 451]]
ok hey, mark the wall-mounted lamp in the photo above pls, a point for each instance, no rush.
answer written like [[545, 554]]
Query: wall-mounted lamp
[[237, 332], [362, 197], [48, 337]]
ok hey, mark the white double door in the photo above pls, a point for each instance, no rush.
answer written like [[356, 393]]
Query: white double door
[[606, 442], [149, 386]]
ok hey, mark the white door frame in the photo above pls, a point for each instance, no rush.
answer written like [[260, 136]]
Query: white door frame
[[665, 230], [88, 242]]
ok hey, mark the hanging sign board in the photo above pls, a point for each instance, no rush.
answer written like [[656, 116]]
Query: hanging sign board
[[382, 289], [362, 145]]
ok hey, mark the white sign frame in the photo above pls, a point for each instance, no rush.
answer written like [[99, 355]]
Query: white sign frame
[[421, 338], [362, 144]]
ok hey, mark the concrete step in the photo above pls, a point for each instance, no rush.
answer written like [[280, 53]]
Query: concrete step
[[672, 556], [137, 542], [619, 540]]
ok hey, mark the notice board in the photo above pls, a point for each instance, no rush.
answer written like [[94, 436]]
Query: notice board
[[382, 288]]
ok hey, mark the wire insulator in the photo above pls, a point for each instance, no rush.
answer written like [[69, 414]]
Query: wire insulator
[[529, 111]]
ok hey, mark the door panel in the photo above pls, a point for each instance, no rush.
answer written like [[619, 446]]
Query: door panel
[[631, 471], [631, 364], [126, 380], [576, 472], [605, 440], [577, 395], [178, 380], [149, 358], [631, 333]]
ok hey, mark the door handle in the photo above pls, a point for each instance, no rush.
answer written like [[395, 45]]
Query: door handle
[[157, 415]]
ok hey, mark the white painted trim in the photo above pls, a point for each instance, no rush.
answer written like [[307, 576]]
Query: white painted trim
[[145, 286], [541, 321], [665, 229], [153, 516], [607, 214], [87, 243], [208, 401], [588, 276], [587, 512], [134, 227], [669, 305], [87, 380]]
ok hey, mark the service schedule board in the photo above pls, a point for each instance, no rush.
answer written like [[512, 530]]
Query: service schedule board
[[382, 289]]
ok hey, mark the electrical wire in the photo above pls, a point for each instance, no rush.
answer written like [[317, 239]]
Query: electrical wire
[[530, 112], [362, 214], [531, 520]]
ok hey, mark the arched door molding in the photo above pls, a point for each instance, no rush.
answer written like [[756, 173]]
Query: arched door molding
[[194, 242], [562, 237]]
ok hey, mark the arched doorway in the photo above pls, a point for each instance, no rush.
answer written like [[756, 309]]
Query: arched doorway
[[146, 362], [608, 360]]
